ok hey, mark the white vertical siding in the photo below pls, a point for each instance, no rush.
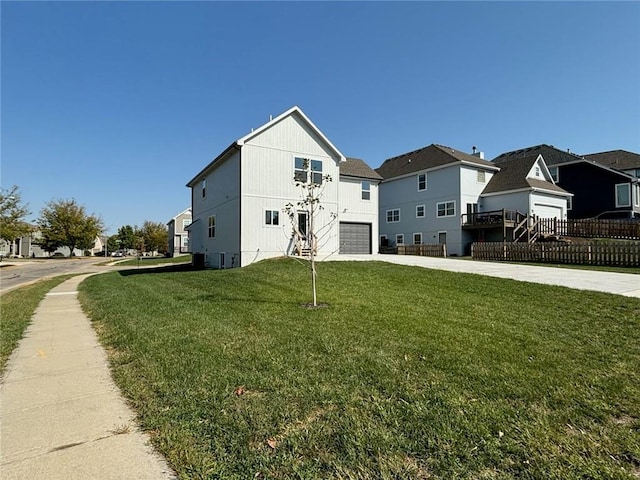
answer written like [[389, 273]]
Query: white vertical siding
[[354, 209], [267, 184], [222, 200]]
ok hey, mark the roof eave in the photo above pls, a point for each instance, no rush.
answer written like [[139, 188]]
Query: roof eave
[[214, 163]]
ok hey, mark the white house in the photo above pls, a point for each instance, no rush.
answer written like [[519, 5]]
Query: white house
[[177, 233], [238, 200], [438, 194]]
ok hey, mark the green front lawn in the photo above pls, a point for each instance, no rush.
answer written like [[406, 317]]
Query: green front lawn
[[408, 373]]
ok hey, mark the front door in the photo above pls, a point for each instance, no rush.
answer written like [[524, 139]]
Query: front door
[[442, 238], [303, 224]]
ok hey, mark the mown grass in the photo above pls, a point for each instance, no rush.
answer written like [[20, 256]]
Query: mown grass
[[17, 309], [144, 261], [408, 373]]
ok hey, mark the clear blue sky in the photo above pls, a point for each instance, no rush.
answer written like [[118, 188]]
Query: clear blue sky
[[119, 104]]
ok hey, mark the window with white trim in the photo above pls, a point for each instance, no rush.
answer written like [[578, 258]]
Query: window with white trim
[[272, 217], [204, 187], [185, 241], [554, 174], [445, 209], [366, 190], [417, 238], [185, 223], [212, 226], [419, 211], [537, 171], [481, 176], [422, 182], [305, 170], [399, 239], [393, 216], [569, 203], [623, 195], [636, 195]]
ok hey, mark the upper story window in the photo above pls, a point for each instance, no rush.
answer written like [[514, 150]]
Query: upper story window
[[185, 223], [623, 195], [419, 211], [204, 188], [422, 182], [445, 209], [393, 216], [272, 217], [366, 190], [554, 174], [306, 170], [481, 176], [537, 171], [212, 227]]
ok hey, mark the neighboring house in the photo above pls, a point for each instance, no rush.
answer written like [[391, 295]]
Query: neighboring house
[[178, 234], [438, 194], [28, 247], [425, 192], [598, 190], [239, 199], [627, 162], [525, 184]]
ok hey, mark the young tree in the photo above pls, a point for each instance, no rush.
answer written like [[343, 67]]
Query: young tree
[[12, 213], [64, 223], [312, 183], [155, 236]]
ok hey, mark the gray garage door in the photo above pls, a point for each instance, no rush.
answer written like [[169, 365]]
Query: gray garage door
[[355, 237]]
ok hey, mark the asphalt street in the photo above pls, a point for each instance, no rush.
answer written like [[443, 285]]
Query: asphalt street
[[15, 273]]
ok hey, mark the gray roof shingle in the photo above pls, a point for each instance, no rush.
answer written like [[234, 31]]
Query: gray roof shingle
[[618, 159], [354, 167], [513, 176], [425, 158], [551, 154]]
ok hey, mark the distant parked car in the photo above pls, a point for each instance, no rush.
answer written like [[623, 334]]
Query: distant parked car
[[57, 255]]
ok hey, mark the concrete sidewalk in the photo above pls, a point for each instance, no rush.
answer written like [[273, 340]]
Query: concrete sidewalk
[[61, 416], [626, 284]]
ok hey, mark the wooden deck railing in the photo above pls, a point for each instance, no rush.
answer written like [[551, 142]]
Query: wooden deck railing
[[588, 228], [624, 254]]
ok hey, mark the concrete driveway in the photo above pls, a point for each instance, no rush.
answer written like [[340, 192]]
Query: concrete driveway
[[608, 282]]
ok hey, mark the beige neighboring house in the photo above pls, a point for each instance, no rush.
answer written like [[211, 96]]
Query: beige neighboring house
[[178, 234]]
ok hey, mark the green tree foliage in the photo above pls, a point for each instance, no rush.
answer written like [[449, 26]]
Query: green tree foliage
[[64, 223], [112, 243], [127, 236], [155, 236], [12, 213]]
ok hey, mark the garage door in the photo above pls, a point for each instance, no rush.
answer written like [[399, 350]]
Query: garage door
[[547, 211], [355, 237]]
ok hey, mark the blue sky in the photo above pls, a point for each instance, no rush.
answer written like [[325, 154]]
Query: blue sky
[[119, 104]]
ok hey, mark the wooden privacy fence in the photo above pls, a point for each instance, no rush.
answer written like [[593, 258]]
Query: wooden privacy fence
[[623, 254], [424, 250], [623, 229]]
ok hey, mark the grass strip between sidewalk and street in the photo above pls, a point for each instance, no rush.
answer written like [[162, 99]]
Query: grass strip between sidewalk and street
[[17, 309], [407, 373]]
